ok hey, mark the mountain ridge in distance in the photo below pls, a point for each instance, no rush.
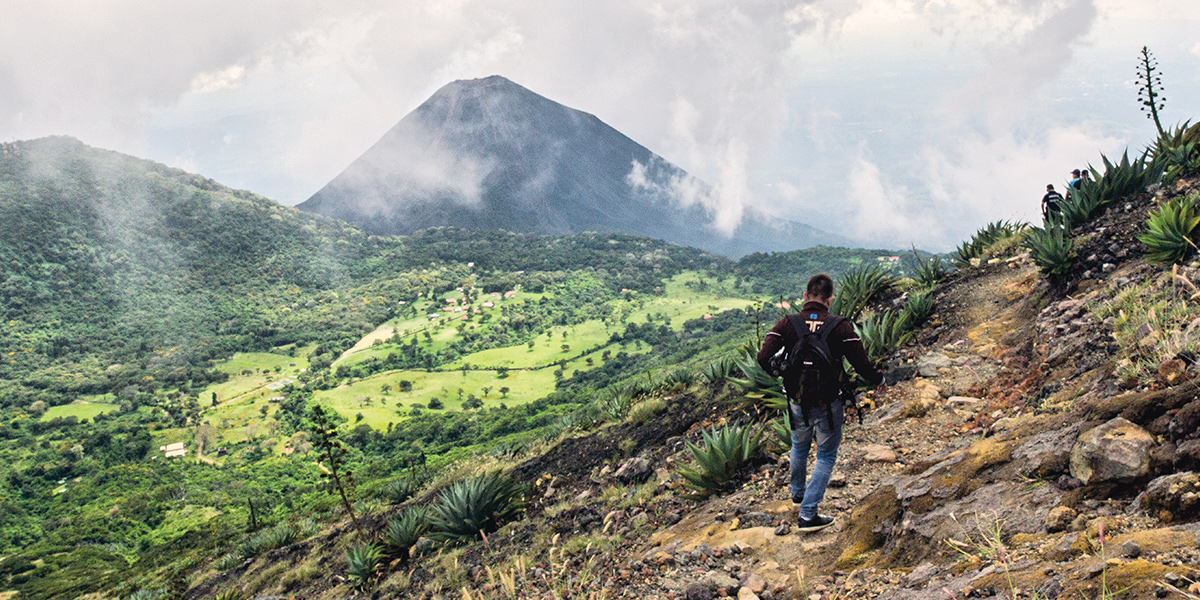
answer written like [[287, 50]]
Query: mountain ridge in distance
[[491, 154]]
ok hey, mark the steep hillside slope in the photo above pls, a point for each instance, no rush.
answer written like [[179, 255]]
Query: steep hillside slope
[[490, 154], [1030, 447]]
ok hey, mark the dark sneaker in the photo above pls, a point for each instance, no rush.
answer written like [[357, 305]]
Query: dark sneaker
[[797, 500], [814, 524]]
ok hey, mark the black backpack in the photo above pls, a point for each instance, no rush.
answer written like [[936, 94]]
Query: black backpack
[[811, 376]]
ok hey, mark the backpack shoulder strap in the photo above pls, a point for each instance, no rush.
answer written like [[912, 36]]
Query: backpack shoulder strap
[[828, 327], [797, 324]]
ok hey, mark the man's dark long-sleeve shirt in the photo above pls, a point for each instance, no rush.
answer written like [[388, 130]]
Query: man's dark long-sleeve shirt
[[843, 342]]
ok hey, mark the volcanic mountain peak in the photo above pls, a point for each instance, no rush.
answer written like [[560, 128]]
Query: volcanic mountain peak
[[491, 154]]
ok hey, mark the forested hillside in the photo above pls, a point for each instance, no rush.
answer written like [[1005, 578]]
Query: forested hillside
[[145, 306]]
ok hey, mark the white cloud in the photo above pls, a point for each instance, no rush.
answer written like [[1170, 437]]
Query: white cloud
[[904, 101], [213, 81]]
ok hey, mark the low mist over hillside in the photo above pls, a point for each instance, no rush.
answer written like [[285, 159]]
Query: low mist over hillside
[[490, 154]]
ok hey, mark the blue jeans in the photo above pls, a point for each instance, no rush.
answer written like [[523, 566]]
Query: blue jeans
[[829, 437]]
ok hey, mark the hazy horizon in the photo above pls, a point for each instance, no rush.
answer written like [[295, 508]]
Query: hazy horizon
[[887, 121]]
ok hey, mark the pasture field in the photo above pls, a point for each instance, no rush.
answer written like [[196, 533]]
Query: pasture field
[[78, 409]]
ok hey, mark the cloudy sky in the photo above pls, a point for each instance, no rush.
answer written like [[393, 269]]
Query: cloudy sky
[[892, 121]]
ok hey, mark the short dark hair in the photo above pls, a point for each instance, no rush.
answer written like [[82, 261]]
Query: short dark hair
[[820, 286]]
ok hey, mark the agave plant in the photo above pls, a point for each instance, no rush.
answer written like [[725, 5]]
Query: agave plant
[[1171, 230], [760, 386], [398, 491], [614, 405], [1186, 133], [148, 594], [281, 535], [230, 595], [1051, 249], [783, 435], [983, 240], [719, 369], [403, 533], [918, 308], [479, 504], [860, 286], [1119, 180], [930, 271], [882, 331], [362, 562], [722, 455], [227, 561], [681, 379], [1181, 161], [255, 545]]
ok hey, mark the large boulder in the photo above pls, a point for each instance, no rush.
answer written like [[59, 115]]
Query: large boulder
[[1115, 451], [1174, 497]]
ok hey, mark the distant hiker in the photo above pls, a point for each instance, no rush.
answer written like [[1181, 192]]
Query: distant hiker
[[1051, 202], [815, 342], [1074, 182]]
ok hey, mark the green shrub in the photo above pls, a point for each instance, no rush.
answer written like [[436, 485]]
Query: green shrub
[[681, 379], [1119, 180], [230, 595], [505, 450], [309, 528], [281, 535], [147, 594], [1051, 249], [478, 504], [918, 309], [883, 331], [403, 533], [859, 287], [363, 562], [930, 271], [783, 435], [614, 404], [1171, 230], [759, 386], [400, 490], [721, 457], [227, 561], [983, 241], [646, 409], [719, 369]]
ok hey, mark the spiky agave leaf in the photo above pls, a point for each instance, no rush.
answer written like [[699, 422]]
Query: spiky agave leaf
[[722, 455], [1171, 230], [403, 533], [398, 491], [1051, 249], [930, 272], [230, 595], [719, 369], [362, 562], [882, 331], [860, 286], [760, 386], [479, 504], [918, 308]]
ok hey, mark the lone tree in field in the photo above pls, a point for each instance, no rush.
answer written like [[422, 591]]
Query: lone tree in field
[[325, 432], [1150, 88]]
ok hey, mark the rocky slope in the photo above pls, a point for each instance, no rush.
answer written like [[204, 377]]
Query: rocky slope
[[1018, 457]]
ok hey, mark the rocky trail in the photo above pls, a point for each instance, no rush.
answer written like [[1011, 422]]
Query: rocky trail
[[1013, 457]]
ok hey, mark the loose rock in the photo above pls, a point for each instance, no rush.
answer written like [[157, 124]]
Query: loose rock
[[1117, 450]]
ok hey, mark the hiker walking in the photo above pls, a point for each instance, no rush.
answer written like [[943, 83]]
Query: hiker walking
[[1051, 203], [814, 343], [1074, 183]]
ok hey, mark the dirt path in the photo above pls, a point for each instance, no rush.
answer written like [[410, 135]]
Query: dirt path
[[914, 420]]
